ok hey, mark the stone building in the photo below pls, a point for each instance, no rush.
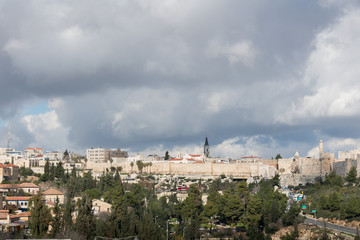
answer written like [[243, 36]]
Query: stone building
[[104, 155]]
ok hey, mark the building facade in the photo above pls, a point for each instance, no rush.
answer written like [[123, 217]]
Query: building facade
[[104, 155]]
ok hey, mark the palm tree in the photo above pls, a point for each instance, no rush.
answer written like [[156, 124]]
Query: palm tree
[[132, 165]]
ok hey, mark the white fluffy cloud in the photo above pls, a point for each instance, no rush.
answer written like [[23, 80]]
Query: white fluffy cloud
[[331, 73], [47, 130]]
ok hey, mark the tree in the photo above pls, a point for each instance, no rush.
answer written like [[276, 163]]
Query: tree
[[85, 220], [57, 223], [351, 175], [59, 171], [40, 217], [46, 174], [132, 165], [140, 165], [25, 172], [66, 155], [117, 175], [93, 193], [69, 208], [52, 172], [167, 155], [333, 179], [278, 156]]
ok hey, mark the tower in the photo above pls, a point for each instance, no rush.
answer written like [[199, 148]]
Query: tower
[[321, 147], [206, 148]]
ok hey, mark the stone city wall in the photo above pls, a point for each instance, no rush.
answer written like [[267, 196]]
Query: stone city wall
[[204, 169]]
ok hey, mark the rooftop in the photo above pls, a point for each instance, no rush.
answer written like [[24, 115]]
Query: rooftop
[[52, 191]]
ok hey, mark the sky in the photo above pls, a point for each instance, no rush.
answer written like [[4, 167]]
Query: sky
[[256, 77]]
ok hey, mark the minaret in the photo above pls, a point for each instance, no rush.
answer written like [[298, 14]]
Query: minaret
[[206, 148], [321, 148]]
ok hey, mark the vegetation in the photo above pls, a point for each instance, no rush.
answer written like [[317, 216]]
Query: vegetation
[[253, 212], [334, 199]]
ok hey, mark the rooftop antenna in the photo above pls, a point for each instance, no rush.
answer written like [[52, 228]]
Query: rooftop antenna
[[8, 139]]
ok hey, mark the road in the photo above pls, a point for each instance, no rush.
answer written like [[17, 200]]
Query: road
[[313, 221]]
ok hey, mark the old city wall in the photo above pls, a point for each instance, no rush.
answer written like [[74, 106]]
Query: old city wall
[[343, 167], [310, 166], [205, 169], [305, 166]]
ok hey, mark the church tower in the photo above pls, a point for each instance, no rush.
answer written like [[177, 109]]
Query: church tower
[[206, 148]]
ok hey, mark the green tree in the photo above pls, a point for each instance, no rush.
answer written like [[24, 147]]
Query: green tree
[[278, 156], [59, 170], [52, 172], [117, 175], [66, 155], [93, 193], [291, 215], [167, 155], [25, 172], [140, 165], [351, 176], [85, 220], [334, 201], [44, 177], [132, 165], [57, 223], [333, 179], [69, 209], [253, 212], [40, 217]]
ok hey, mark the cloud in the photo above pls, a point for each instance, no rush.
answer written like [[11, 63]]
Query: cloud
[[138, 74], [331, 73], [48, 131], [240, 52]]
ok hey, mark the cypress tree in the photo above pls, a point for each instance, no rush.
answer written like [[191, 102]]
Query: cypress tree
[[40, 217]]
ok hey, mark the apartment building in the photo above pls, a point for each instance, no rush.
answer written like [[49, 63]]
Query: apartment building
[[54, 156], [104, 155], [33, 152]]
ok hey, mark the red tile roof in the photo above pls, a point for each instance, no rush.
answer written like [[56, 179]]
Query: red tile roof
[[192, 155], [198, 162], [10, 165], [8, 186], [176, 159], [28, 185], [24, 214], [50, 203], [52, 192], [3, 215], [17, 198]]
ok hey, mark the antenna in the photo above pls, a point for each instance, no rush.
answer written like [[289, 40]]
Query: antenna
[[8, 140]]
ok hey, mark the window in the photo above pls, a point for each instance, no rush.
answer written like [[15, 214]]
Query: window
[[22, 203], [25, 203]]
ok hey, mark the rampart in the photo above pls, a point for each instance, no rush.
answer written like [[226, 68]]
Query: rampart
[[203, 169]]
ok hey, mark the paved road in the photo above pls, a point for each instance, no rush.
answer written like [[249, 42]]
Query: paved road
[[344, 229]]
